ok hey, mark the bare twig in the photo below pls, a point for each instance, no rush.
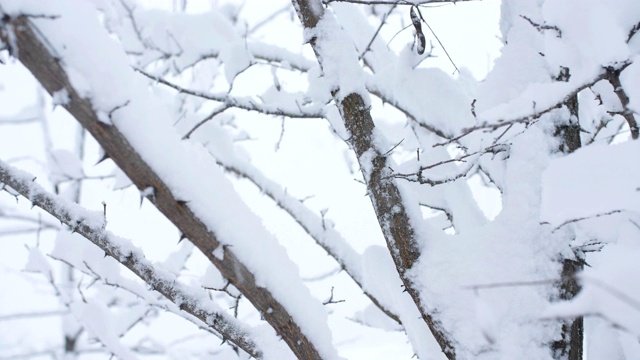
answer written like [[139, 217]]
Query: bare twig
[[240, 103], [330, 300], [375, 34], [585, 218], [217, 111]]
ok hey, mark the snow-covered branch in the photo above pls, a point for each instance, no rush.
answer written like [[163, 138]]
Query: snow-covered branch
[[293, 110], [326, 237], [338, 59], [181, 188], [91, 226]]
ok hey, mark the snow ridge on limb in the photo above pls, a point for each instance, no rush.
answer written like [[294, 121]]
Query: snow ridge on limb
[[374, 271], [119, 112], [89, 224], [351, 97]]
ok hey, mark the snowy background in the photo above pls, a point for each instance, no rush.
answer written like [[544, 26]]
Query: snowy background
[[303, 159]]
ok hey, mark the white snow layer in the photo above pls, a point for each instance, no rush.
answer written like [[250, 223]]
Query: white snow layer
[[592, 181], [103, 74]]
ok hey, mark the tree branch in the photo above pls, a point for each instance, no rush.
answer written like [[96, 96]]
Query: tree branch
[[228, 101], [381, 186], [329, 239], [36, 56], [614, 79], [605, 74], [86, 224]]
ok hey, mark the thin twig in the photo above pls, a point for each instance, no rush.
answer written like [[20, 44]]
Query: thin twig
[[586, 218], [240, 103], [382, 23]]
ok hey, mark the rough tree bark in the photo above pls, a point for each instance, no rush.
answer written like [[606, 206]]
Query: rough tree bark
[[34, 55], [381, 187], [570, 346]]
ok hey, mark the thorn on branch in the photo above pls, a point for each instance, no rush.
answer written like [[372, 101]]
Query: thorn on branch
[[182, 203], [104, 157], [104, 214], [148, 192], [473, 108]]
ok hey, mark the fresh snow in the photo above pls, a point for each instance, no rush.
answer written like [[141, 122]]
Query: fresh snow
[[592, 181], [188, 170]]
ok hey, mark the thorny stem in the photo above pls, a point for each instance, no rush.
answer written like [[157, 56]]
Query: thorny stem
[[36, 56], [133, 260]]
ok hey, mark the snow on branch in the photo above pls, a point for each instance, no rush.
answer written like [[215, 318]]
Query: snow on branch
[[326, 237], [564, 90], [90, 224], [186, 185], [156, 35], [242, 103], [338, 59], [373, 271]]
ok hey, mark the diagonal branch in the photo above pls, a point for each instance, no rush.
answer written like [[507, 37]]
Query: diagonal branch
[[36, 56], [91, 226], [240, 103], [382, 188], [327, 238]]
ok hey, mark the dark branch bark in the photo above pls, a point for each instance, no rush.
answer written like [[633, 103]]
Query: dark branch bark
[[382, 189], [569, 131], [571, 344], [614, 79], [34, 54]]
